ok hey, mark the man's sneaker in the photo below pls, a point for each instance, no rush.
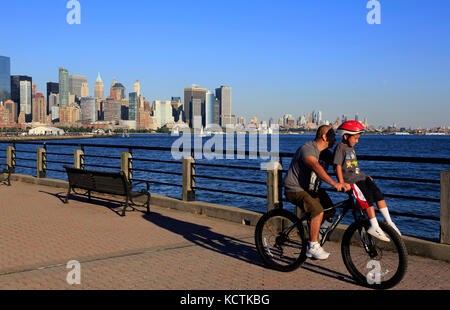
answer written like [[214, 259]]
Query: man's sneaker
[[378, 233], [316, 252], [395, 228]]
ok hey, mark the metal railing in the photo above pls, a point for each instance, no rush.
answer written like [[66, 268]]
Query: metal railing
[[131, 170]]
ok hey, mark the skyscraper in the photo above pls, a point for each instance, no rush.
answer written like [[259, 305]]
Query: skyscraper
[[76, 84], [163, 112], [16, 93], [99, 88], [118, 91], [84, 89], [5, 78], [63, 87], [191, 93], [26, 100], [223, 94], [137, 88], [88, 110], [132, 106], [209, 108], [52, 88]]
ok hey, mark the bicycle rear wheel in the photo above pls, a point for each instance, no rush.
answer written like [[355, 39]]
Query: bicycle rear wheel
[[374, 263], [280, 240]]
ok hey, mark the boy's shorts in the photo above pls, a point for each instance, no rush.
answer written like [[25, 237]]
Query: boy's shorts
[[370, 191], [310, 203]]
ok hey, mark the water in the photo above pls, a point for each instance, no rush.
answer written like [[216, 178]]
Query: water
[[411, 146]]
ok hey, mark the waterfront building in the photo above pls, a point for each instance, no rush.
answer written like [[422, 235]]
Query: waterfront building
[[88, 110], [223, 94], [52, 88], [75, 85], [190, 94], [63, 87], [137, 88], [39, 108], [69, 115], [84, 90], [99, 87], [132, 106], [55, 114], [118, 91], [26, 100], [163, 112], [177, 108], [5, 78], [112, 110], [210, 100], [15, 89], [12, 109]]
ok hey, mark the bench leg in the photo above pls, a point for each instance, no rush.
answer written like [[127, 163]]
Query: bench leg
[[66, 200], [125, 207], [148, 204], [89, 196]]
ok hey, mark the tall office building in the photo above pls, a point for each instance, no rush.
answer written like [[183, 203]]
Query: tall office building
[[132, 106], [11, 108], [52, 88], [163, 112], [209, 108], [99, 88], [88, 110], [26, 100], [191, 93], [137, 88], [39, 108], [63, 87], [76, 84], [15, 90], [84, 89], [118, 91], [223, 94], [112, 110], [5, 78]]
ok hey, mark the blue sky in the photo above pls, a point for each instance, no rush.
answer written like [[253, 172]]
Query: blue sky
[[279, 57]]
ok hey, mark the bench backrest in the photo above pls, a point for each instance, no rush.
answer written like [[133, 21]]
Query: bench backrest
[[114, 183]]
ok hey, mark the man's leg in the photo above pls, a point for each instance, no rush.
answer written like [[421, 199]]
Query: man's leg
[[315, 227]]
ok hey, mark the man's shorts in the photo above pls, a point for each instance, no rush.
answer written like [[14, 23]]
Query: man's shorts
[[370, 191], [310, 203]]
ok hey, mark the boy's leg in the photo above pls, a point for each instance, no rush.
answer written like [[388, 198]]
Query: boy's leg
[[387, 217]]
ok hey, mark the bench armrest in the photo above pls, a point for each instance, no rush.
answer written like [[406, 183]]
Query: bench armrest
[[141, 182]]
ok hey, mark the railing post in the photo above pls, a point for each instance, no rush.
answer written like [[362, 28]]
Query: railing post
[[11, 158], [274, 187], [127, 164], [445, 207], [188, 179], [78, 159], [41, 162]]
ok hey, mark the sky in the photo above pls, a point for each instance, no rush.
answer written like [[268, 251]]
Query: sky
[[279, 57]]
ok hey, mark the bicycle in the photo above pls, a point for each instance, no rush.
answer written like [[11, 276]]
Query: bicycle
[[281, 242]]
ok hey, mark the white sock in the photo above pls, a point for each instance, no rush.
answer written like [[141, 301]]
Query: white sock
[[385, 213], [311, 244], [374, 222]]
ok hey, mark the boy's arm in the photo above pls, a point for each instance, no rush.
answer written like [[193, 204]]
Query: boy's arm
[[338, 169]]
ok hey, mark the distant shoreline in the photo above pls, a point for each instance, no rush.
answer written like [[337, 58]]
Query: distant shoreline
[[66, 137]]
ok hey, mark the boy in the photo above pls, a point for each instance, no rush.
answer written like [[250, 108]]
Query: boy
[[365, 190]]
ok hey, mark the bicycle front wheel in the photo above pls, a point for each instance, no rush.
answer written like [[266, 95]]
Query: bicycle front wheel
[[374, 263], [280, 240]]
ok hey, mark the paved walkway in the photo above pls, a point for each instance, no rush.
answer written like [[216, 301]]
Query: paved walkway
[[167, 250]]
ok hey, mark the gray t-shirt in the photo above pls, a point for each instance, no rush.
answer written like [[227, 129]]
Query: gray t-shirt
[[298, 177], [345, 156]]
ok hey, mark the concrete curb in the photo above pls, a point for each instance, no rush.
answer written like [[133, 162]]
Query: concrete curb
[[414, 246]]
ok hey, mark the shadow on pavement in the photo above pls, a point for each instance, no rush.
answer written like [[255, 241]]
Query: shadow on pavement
[[204, 237]]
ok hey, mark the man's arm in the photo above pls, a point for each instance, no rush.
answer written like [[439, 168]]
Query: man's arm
[[312, 163]]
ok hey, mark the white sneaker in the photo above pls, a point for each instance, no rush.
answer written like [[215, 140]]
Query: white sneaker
[[378, 233], [395, 228], [316, 252]]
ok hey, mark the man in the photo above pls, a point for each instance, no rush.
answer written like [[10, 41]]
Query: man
[[302, 183]]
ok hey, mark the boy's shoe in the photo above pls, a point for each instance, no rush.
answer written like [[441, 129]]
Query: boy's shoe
[[316, 252], [378, 233], [395, 228]]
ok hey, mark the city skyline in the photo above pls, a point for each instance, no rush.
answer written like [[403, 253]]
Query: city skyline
[[290, 58]]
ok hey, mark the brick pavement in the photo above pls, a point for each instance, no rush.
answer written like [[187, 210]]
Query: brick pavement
[[167, 250]]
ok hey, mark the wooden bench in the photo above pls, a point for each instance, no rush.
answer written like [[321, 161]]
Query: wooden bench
[[113, 183], [5, 175]]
